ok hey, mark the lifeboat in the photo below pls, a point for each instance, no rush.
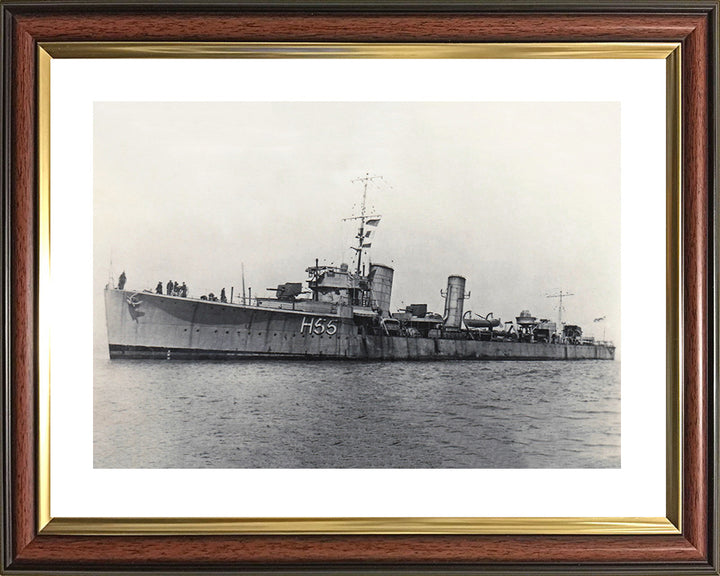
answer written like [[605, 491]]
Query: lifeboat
[[481, 321]]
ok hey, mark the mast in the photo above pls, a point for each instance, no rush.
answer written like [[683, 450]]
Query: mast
[[242, 267], [561, 295], [363, 217]]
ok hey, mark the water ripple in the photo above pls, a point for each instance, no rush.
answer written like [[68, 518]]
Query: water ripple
[[464, 414]]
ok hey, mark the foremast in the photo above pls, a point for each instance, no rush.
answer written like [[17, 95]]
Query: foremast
[[366, 221], [342, 285]]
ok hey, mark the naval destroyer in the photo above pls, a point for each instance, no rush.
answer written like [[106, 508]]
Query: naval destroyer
[[344, 313]]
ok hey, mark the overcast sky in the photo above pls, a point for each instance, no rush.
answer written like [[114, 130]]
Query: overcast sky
[[523, 199]]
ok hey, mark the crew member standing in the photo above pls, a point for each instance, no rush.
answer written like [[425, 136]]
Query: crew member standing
[[122, 280]]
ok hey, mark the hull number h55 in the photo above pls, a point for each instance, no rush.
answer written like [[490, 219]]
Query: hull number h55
[[318, 326]]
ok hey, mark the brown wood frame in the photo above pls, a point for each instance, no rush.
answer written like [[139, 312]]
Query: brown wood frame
[[693, 23]]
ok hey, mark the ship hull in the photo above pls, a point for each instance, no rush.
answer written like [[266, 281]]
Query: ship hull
[[145, 325]]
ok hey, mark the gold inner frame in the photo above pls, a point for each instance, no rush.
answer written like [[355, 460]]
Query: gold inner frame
[[671, 524]]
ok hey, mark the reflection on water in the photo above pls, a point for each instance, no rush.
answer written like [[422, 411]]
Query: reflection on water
[[291, 414]]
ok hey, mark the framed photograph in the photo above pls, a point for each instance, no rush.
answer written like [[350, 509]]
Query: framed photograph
[[349, 287]]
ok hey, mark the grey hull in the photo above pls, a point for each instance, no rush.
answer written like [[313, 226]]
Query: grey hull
[[145, 325]]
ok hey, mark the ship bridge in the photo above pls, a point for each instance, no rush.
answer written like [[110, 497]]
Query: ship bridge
[[341, 286], [337, 284]]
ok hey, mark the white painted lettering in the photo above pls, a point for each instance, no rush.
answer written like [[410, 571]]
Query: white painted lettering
[[306, 324], [331, 327], [319, 326]]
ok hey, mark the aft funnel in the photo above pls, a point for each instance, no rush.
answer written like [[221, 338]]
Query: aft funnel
[[454, 297]]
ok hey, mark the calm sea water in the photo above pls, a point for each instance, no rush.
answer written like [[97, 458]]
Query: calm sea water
[[293, 414]]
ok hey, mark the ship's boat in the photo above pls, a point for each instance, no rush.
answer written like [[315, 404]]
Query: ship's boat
[[487, 322], [344, 314]]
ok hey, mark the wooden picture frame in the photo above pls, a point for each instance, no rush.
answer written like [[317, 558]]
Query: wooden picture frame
[[31, 546]]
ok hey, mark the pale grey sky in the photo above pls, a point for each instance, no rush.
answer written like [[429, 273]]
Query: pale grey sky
[[523, 199]]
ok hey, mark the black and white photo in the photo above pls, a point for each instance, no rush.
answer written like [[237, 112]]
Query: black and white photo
[[357, 284]]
